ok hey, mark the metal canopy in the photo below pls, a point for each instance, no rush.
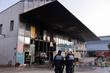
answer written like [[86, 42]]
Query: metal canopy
[[56, 18]]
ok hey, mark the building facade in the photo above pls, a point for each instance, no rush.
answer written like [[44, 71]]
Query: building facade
[[39, 21], [95, 47]]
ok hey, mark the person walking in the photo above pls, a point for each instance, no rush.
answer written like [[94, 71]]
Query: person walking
[[69, 62], [59, 62]]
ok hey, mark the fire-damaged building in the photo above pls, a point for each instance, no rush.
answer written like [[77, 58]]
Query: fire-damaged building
[[39, 27]]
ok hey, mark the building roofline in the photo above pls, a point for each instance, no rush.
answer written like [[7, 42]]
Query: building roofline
[[10, 7]]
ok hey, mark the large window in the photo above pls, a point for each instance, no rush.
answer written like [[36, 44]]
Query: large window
[[0, 29], [11, 25]]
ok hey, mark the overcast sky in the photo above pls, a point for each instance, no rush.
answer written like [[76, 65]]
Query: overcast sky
[[6, 3], [95, 14]]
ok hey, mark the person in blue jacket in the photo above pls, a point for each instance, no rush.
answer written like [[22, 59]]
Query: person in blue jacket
[[69, 62], [59, 62]]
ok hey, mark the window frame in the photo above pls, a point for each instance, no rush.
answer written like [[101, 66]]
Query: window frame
[[1, 25], [11, 25]]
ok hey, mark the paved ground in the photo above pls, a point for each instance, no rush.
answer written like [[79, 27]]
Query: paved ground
[[39, 70], [82, 69]]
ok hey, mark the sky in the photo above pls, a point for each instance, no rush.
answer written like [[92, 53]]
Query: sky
[[6, 3], [95, 14]]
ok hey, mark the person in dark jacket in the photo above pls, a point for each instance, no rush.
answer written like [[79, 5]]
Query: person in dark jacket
[[69, 63], [59, 62]]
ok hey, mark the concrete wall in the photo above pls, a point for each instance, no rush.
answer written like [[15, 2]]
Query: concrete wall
[[29, 5], [8, 43]]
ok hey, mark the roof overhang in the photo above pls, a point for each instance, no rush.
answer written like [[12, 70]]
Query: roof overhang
[[56, 18]]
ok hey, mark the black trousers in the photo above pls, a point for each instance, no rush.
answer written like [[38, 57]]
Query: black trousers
[[69, 69], [58, 69]]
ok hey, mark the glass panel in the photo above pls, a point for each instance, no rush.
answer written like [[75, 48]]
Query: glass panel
[[27, 40]]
